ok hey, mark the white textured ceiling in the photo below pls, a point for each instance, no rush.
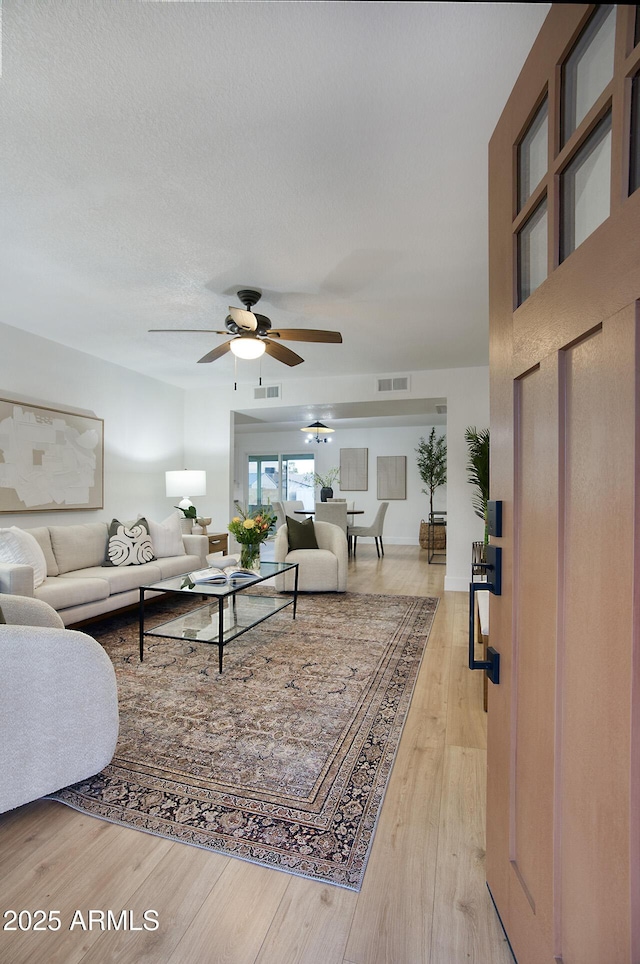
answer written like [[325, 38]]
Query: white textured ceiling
[[157, 156]]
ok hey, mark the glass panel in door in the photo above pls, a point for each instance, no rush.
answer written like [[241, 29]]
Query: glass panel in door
[[588, 69], [585, 188], [634, 156], [264, 480], [532, 155], [532, 252], [297, 479]]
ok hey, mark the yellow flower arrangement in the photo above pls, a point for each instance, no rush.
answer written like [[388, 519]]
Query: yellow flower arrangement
[[251, 527]]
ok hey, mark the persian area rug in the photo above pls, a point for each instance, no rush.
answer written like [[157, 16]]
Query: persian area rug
[[282, 760]]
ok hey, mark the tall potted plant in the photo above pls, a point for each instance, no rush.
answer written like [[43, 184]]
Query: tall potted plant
[[432, 466], [478, 476]]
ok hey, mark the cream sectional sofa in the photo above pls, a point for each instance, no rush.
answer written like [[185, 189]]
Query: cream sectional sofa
[[77, 584]]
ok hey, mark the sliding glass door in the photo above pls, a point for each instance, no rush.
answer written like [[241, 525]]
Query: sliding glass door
[[280, 478], [264, 480], [297, 479]]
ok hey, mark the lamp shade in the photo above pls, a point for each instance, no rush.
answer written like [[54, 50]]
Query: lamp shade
[[247, 347], [317, 428], [186, 482]]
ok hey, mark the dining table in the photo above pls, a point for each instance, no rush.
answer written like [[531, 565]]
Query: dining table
[[312, 511]]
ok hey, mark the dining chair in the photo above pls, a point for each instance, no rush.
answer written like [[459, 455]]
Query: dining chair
[[293, 506], [281, 518], [374, 530], [335, 512]]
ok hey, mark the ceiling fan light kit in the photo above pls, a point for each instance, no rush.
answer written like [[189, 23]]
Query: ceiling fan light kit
[[252, 334], [247, 347]]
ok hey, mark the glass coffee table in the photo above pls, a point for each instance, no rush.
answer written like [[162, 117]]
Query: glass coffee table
[[229, 611]]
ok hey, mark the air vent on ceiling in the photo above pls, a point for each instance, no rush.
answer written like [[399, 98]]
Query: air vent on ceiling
[[267, 391], [398, 383]]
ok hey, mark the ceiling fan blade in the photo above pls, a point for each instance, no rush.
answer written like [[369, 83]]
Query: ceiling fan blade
[[207, 331], [244, 319], [282, 354], [307, 334], [216, 352]]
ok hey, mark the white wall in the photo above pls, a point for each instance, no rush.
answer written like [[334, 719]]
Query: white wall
[[209, 443], [143, 423]]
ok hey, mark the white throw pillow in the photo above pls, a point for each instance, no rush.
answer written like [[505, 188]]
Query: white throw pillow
[[167, 537], [22, 548]]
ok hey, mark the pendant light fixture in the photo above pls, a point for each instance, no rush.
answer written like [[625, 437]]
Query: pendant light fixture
[[315, 430]]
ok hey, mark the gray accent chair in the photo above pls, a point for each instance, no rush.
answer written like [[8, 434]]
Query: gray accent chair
[[58, 703], [319, 570], [374, 530]]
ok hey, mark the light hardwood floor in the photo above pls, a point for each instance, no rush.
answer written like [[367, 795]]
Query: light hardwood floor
[[423, 901]]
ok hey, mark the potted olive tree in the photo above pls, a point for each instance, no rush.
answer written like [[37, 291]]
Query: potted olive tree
[[432, 466]]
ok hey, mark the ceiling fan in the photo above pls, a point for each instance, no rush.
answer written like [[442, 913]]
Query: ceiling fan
[[253, 334]]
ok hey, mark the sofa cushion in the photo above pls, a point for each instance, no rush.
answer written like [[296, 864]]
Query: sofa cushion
[[176, 565], [62, 593], [129, 544], [43, 537], [79, 546], [19, 547], [120, 578], [167, 537], [301, 535]]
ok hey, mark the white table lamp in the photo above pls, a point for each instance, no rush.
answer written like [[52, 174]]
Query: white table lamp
[[186, 480]]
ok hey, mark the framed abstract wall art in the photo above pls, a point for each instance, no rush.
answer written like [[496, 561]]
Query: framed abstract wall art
[[49, 459], [392, 476], [353, 470]]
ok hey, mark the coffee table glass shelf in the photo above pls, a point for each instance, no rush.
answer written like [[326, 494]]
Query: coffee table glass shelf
[[229, 612]]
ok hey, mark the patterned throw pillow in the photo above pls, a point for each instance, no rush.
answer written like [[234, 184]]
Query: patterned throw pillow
[[129, 544]]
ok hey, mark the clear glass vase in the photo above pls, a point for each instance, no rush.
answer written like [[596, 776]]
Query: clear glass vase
[[250, 556]]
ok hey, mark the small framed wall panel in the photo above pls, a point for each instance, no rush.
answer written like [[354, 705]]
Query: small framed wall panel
[[354, 476], [49, 459], [392, 476]]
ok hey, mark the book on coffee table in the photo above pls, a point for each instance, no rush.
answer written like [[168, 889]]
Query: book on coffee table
[[229, 571]]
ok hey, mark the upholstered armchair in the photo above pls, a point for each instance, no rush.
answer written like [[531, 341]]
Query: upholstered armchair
[[319, 570], [58, 703]]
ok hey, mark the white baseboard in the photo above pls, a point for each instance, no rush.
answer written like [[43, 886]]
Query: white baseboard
[[395, 540], [390, 540]]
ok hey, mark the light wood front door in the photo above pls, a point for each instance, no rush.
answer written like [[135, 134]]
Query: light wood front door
[[563, 791]]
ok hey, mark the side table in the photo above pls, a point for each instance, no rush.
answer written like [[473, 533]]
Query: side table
[[218, 542]]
